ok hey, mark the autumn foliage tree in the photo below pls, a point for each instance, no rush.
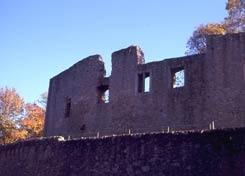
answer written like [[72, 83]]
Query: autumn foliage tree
[[18, 120], [42, 101], [197, 42], [32, 122], [233, 23], [11, 107]]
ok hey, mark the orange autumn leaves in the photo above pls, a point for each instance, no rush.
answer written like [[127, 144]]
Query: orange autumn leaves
[[234, 22], [33, 122], [18, 120]]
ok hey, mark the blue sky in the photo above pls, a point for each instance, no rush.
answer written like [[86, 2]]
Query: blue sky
[[41, 38]]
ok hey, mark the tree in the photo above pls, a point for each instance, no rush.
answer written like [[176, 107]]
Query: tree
[[11, 107], [233, 23], [43, 100], [197, 42], [32, 123], [18, 120]]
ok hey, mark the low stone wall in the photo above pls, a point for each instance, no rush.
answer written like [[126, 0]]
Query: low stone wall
[[217, 152]]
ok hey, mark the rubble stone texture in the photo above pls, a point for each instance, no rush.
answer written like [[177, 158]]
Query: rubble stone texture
[[213, 89], [212, 153]]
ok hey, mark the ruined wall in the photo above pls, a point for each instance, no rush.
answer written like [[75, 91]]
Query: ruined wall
[[217, 153], [72, 97], [225, 80], [213, 90]]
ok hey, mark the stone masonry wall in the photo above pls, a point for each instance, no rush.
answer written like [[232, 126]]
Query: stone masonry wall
[[77, 86], [214, 90], [225, 80], [210, 153]]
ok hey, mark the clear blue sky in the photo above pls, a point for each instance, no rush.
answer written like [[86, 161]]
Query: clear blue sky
[[41, 38]]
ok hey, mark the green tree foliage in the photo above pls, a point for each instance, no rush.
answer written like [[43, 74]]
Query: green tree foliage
[[233, 23]]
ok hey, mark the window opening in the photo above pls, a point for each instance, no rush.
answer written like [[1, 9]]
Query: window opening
[[178, 77], [147, 82], [143, 82], [103, 94], [140, 83], [83, 128], [107, 94], [68, 108]]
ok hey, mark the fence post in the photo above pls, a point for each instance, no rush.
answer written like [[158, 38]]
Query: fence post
[[168, 130], [213, 125], [129, 131], [98, 134]]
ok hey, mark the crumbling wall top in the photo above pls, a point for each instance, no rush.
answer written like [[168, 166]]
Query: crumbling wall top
[[132, 51]]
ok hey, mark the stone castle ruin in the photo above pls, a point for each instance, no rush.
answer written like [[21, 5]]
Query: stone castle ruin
[[178, 94], [181, 93]]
